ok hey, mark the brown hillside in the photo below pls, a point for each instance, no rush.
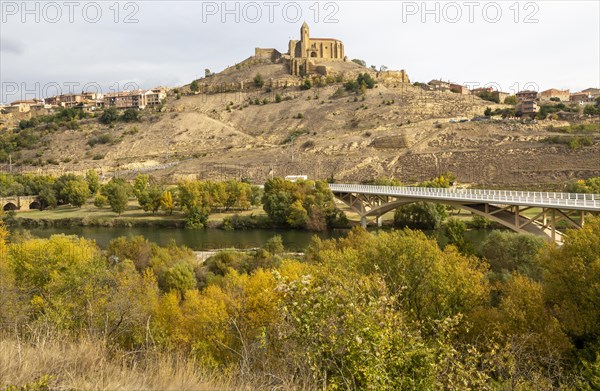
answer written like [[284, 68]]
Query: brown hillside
[[400, 131]]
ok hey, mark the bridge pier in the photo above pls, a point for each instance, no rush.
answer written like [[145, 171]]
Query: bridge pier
[[363, 221], [379, 220]]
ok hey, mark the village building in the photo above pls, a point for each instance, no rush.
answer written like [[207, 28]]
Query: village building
[[85, 99], [526, 95], [581, 98], [23, 106], [139, 99], [593, 92], [482, 90], [527, 107], [499, 96], [553, 94], [459, 89], [439, 85]]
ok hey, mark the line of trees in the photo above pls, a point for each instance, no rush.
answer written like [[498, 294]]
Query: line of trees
[[386, 311]]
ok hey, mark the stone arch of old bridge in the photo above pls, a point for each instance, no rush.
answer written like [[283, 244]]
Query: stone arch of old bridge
[[20, 203], [502, 206]]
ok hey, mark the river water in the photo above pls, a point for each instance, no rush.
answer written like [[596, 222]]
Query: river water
[[211, 239]]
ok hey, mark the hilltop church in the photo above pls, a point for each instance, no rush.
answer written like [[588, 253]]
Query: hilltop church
[[323, 56], [304, 55], [304, 51]]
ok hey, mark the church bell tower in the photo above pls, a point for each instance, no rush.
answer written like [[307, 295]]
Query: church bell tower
[[304, 39]]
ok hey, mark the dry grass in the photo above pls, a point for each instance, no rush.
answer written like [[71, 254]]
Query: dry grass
[[59, 364]]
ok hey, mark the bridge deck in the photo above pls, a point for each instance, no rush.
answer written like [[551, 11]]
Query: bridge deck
[[569, 201]]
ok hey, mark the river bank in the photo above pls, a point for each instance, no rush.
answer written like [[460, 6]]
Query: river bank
[[90, 216]]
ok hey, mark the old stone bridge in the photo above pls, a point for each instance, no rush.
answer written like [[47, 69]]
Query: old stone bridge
[[20, 203]]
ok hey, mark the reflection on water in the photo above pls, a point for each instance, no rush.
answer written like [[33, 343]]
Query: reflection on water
[[198, 240]]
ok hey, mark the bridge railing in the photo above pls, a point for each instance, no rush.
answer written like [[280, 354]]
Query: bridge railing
[[511, 196]]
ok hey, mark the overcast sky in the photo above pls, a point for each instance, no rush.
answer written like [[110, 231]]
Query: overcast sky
[[546, 43]]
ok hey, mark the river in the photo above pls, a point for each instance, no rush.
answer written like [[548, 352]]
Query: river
[[211, 239]]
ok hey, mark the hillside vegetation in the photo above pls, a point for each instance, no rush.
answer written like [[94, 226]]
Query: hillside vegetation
[[384, 311]]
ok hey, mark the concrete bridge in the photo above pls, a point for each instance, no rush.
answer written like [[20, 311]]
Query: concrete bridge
[[20, 203], [502, 206]]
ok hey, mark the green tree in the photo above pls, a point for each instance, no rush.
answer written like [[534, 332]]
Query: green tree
[[196, 217], [93, 181], [118, 196], [47, 197], [194, 87], [571, 281], [367, 79], [360, 62], [76, 192], [109, 116], [455, 229], [297, 215], [421, 215], [507, 252], [148, 192]]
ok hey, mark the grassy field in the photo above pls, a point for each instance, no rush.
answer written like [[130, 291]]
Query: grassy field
[[88, 214]]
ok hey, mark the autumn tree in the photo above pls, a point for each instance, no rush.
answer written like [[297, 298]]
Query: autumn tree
[[166, 202]]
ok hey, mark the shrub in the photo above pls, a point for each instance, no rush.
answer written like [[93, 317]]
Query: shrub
[[258, 80], [100, 201], [109, 116], [130, 115]]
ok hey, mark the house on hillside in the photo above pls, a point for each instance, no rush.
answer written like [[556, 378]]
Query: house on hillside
[[23, 106], [527, 95], [459, 89], [553, 93], [527, 108], [581, 98], [439, 85], [593, 92]]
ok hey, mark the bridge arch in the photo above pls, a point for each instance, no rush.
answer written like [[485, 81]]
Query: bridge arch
[[9, 206], [36, 204]]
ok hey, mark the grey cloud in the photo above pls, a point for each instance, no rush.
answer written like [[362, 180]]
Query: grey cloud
[[11, 46]]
